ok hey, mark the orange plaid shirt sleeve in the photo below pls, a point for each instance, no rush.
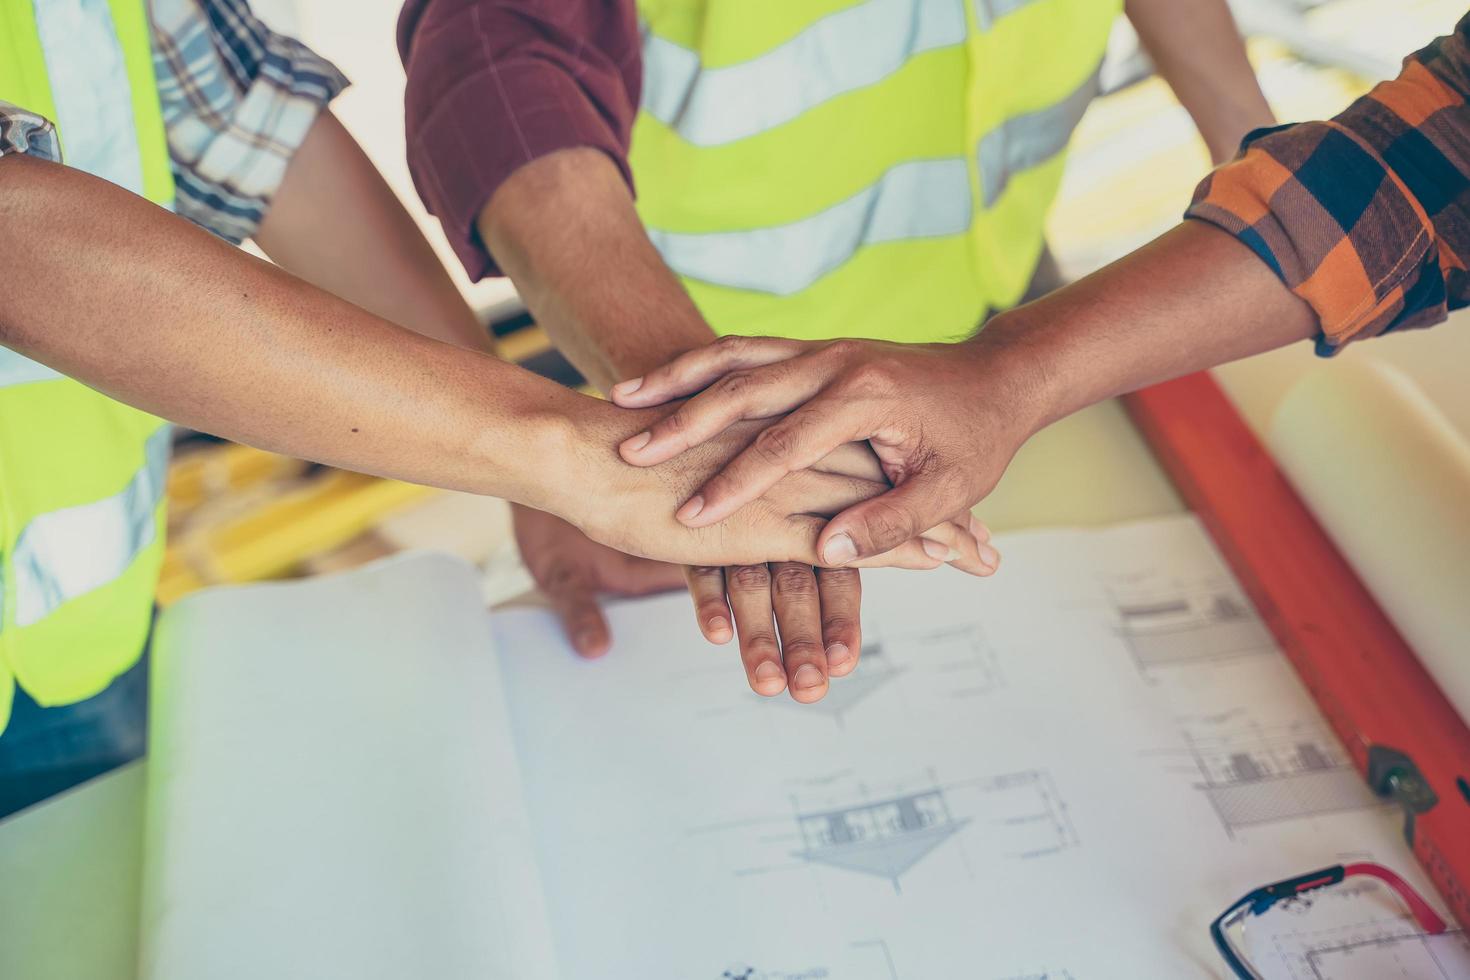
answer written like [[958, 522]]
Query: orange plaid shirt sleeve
[[1365, 216]]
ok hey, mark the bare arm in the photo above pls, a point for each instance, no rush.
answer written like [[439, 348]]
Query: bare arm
[[1197, 49], [143, 306], [1268, 261], [336, 224], [946, 419], [564, 229]]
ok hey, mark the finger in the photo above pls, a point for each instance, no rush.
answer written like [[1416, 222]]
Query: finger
[[794, 443], [799, 621], [853, 459], [989, 556], [711, 611], [841, 594], [955, 545], [883, 523], [910, 555], [749, 588], [738, 396], [690, 372], [937, 546], [574, 600]]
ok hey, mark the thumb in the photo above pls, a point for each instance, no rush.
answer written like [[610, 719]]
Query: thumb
[[886, 521]]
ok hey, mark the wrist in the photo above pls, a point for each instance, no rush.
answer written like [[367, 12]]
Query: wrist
[[579, 476], [1019, 369]]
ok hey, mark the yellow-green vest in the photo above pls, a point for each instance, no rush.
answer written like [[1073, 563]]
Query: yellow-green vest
[[81, 476], [862, 168]]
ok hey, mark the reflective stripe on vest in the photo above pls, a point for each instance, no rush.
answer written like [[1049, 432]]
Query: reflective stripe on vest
[[987, 12], [845, 51], [92, 109], [67, 553], [1023, 142], [81, 476], [954, 115], [17, 370], [923, 199]]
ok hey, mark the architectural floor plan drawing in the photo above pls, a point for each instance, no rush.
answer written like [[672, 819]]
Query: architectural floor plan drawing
[[1015, 815], [883, 838], [1356, 931], [1257, 775], [1010, 753], [1442, 957], [1166, 623]]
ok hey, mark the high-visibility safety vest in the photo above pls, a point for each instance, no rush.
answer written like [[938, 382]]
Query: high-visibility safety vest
[[869, 168], [81, 476]]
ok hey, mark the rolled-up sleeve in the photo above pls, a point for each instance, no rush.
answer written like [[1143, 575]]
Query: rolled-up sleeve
[[1365, 216], [495, 84], [238, 100], [23, 131]]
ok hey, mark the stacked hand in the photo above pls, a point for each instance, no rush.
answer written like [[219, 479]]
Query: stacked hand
[[943, 419], [797, 625]]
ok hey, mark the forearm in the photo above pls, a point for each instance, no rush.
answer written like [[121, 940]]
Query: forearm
[[150, 310], [564, 228], [1198, 50], [1192, 299], [336, 224]]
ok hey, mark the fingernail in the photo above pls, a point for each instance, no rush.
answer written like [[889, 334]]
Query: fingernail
[[840, 550], [586, 641], [989, 557], [767, 675], [717, 624], [627, 387], [691, 508], [937, 551], [807, 678], [634, 443], [838, 654]]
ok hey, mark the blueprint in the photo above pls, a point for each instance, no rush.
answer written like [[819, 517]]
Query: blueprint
[[1063, 771]]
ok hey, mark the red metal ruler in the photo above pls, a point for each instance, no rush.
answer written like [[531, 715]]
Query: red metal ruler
[[1403, 734]]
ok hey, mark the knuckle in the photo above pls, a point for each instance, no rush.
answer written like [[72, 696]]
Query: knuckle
[[750, 578], [888, 525], [844, 349], [674, 424], [736, 384], [760, 644], [775, 443], [838, 625], [795, 582], [839, 581], [712, 606], [802, 648], [731, 344], [872, 376]]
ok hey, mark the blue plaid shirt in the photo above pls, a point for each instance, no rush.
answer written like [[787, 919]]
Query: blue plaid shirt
[[237, 101]]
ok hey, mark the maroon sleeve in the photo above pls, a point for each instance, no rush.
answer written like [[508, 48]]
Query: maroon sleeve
[[494, 84]]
